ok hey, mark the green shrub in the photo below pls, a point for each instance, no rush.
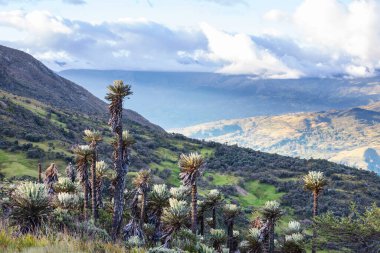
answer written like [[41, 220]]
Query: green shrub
[[30, 207]]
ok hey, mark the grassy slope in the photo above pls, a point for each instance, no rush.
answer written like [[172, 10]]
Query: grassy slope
[[14, 164], [248, 177]]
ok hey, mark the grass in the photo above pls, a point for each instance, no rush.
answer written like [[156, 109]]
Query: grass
[[167, 154], [222, 179], [58, 243], [16, 164], [258, 193]]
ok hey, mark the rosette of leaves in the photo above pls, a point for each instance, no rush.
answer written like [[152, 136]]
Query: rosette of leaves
[[65, 184], [30, 207]]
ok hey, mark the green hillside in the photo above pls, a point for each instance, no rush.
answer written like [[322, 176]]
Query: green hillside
[[32, 131]]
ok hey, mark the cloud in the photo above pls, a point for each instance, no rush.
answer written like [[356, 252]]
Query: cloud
[[327, 38], [227, 2], [241, 55], [349, 33], [276, 16], [76, 2], [122, 44]]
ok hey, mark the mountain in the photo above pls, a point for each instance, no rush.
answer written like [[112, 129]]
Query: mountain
[[23, 75], [169, 98], [350, 137], [40, 125]]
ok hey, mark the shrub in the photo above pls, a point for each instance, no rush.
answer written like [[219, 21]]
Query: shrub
[[65, 185], [68, 200], [31, 207]]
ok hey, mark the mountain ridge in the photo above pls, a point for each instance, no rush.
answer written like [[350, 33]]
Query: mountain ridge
[[22, 74], [342, 136]]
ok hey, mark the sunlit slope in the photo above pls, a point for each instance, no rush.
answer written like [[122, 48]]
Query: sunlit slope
[[350, 137]]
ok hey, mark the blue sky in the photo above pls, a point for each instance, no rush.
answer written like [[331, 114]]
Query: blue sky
[[267, 39]]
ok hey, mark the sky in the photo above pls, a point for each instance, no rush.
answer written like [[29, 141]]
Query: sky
[[265, 39]]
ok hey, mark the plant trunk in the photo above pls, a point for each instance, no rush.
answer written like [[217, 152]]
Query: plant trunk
[[194, 208], [142, 211], [120, 184], [157, 234], [271, 237], [39, 173], [213, 217], [202, 224], [315, 213], [99, 191], [230, 234], [93, 189], [85, 192]]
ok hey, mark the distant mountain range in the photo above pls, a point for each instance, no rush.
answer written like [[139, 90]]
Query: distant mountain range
[[350, 137], [177, 100]]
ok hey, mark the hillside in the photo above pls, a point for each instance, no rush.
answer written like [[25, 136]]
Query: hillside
[[350, 137], [232, 96], [23, 75], [36, 129]]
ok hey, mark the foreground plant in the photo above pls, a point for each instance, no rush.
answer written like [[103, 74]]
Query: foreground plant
[[252, 243], [190, 170], [174, 218], [116, 94], [158, 200], [217, 238], [294, 239], [231, 211], [101, 173], [314, 181], [213, 200], [271, 213], [30, 207], [83, 157], [93, 138]]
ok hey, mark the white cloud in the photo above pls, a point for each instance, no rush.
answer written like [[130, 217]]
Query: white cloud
[[227, 2], [328, 38], [242, 55], [76, 2], [347, 32], [36, 23], [276, 15]]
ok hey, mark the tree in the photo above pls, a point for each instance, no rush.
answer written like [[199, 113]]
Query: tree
[[101, 173], [116, 94], [359, 231], [213, 200], [174, 217], [190, 170], [157, 201], [141, 182], [271, 212], [314, 181], [83, 156], [230, 212], [93, 138]]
